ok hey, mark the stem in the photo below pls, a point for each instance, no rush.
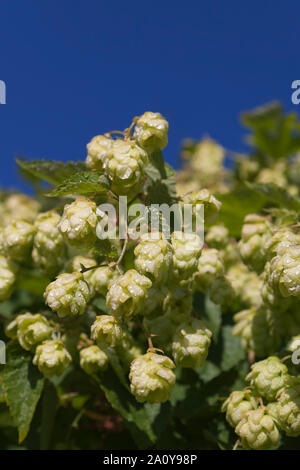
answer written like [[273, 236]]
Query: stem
[[285, 358], [251, 356], [236, 445]]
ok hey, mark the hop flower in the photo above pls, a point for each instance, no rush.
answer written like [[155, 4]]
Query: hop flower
[[151, 131], [68, 295], [32, 330], [49, 249], [78, 223], [267, 377], [101, 277], [237, 406], [190, 343], [19, 206], [208, 158], [7, 278], [271, 296], [178, 301], [217, 236], [187, 248], [155, 298], [154, 257], [97, 149], [257, 430], [127, 295], [124, 164], [210, 267], [221, 292], [106, 331], [151, 378], [284, 274], [211, 204], [52, 358], [288, 409], [93, 359], [255, 234], [17, 239], [280, 241], [78, 264], [257, 330]]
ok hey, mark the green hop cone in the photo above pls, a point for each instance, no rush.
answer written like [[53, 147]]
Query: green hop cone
[[267, 377], [187, 248], [255, 234], [32, 330], [154, 257], [124, 164], [19, 206], [96, 149], [217, 237], [212, 205], [288, 409], [222, 292], [190, 343], [280, 241], [257, 430], [178, 301], [210, 267], [17, 239], [52, 358], [7, 278], [270, 293], [151, 378], [78, 223], [151, 131], [49, 250], [101, 277], [106, 331], [237, 405], [127, 295], [78, 264], [93, 359], [68, 295], [208, 159], [284, 276]]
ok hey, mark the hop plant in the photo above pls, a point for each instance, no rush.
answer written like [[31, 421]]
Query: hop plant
[[255, 234], [208, 158], [78, 223], [68, 295], [221, 292], [210, 267], [124, 164], [93, 360], [49, 250], [151, 378], [19, 206], [257, 430], [52, 358], [96, 150], [217, 236], [178, 301], [187, 248], [281, 239], [32, 330], [101, 277], [284, 274], [7, 278], [151, 131], [211, 204], [237, 406], [156, 297], [288, 409], [17, 240], [127, 295], [106, 331], [154, 257], [190, 343], [267, 377]]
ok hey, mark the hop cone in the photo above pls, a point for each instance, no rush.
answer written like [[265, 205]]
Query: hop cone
[[221, 292], [32, 330], [93, 359], [7, 278], [257, 430], [217, 237], [19, 206], [280, 241], [127, 295], [187, 249], [17, 239], [267, 377], [52, 358], [78, 223], [151, 378], [288, 409], [237, 405], [255, 234], [210, 267], [68, 295], [96, 150], [284, 275], [190, 343], [106, 331], [154, 257], [211, 204], [151, 131], [101, 277]]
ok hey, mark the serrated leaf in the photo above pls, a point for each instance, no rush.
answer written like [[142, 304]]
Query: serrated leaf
[[23, 385], [276, 194], [54, 172], [84, 183], [104, 249]]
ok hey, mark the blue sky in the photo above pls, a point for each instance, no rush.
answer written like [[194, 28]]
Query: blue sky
[[74, 69]]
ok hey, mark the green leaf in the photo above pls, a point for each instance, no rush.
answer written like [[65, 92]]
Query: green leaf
[[50, 170], [84, 183], [104, 249], [49, 408], [32, 281], [144, 421], [213, 316], [23, 385], [232, 349], [279, 196], [160, 185]]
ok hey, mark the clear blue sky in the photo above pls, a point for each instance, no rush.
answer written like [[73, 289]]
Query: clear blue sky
[[74, 69]]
